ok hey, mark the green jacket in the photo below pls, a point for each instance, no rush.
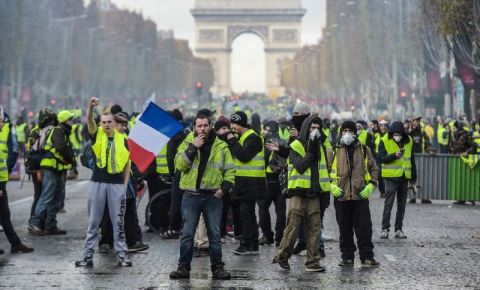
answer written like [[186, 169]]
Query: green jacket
[[220, 167]]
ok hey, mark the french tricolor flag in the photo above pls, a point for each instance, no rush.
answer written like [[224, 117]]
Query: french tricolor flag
[[151, 132]]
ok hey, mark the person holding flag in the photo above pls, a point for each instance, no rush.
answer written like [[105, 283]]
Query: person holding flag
[[109, 182]]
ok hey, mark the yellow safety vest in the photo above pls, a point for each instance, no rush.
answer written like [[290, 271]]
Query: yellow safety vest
[[76, 143], [256, 166], [119, 154], [3, 168], [477, 141], [284, 134], [400, 166], [20, 130], [297, 180], [4, 134], [378, 137], [162, 164], [363, 137], [53, 159], [440, 139]]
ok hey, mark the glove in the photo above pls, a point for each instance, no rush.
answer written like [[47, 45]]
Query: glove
[[367, 191], [336, 191]]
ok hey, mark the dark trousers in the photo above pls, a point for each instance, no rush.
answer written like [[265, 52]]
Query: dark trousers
[[37, 190], [5, 221], [236, 218], [175, 214], [444, 149], [399, 190], [354, 217], [133, 232], [249, 224], [274, 195], [159, 209]]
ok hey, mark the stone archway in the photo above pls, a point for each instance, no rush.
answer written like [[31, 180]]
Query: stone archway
[[219, 22]]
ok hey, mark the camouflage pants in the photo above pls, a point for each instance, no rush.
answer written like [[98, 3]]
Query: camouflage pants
[[301, 208]]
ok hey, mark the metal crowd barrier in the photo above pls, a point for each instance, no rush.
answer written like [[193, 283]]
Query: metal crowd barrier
[[447, 177]]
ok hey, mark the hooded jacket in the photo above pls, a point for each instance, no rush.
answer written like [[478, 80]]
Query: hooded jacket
[[397, 127], [310, 160]]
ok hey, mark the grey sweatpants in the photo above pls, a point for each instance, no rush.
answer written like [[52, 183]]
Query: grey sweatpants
[[98, 195]]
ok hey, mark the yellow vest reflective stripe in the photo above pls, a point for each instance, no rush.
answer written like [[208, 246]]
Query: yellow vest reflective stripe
[[256, 166], [118, 156], [297, 180], [378, 137], [4, 133], [20, 130], [53, 159], [363, 137], [400, 166], [162, 164], [441, 140]]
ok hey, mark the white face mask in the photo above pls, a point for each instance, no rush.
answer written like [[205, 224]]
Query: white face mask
[[397, 138], [347, 139]]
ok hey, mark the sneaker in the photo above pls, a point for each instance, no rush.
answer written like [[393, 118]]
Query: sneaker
[[412, 200], [20, 249], [282, 265], [181, 273], [315, 268], [370, 263], [242, 251], [219, 273], [346, 263], [105, 248], [299, 247], [138, 247], [123, 261], [459, 202], [169, 234], [426, 201], [86, 261], [55, 232], [384, 234], [254, 250], [400, 235], [35, 230], [2, 252], [265, 241]]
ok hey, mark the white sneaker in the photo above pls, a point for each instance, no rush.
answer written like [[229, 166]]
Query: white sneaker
[[384, 234], [400, 235]]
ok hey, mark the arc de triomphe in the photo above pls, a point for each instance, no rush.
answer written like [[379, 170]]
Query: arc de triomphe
[[219, 22]]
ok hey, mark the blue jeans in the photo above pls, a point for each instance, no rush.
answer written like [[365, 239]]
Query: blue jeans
[[192, 206], [51, 198]]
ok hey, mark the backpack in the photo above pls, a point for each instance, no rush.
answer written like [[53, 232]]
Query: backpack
[[36, 153], [87, 157]]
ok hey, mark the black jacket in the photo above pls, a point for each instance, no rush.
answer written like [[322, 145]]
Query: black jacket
[[172, 147], [247, 188], [61, 142]]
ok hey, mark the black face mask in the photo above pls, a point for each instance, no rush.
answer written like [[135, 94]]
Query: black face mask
[[298, 121], [223, 137]]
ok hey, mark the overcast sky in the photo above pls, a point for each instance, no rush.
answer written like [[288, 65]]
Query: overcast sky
[[176, 15]]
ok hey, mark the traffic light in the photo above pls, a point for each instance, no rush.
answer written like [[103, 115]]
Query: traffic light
[[199, 88]]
